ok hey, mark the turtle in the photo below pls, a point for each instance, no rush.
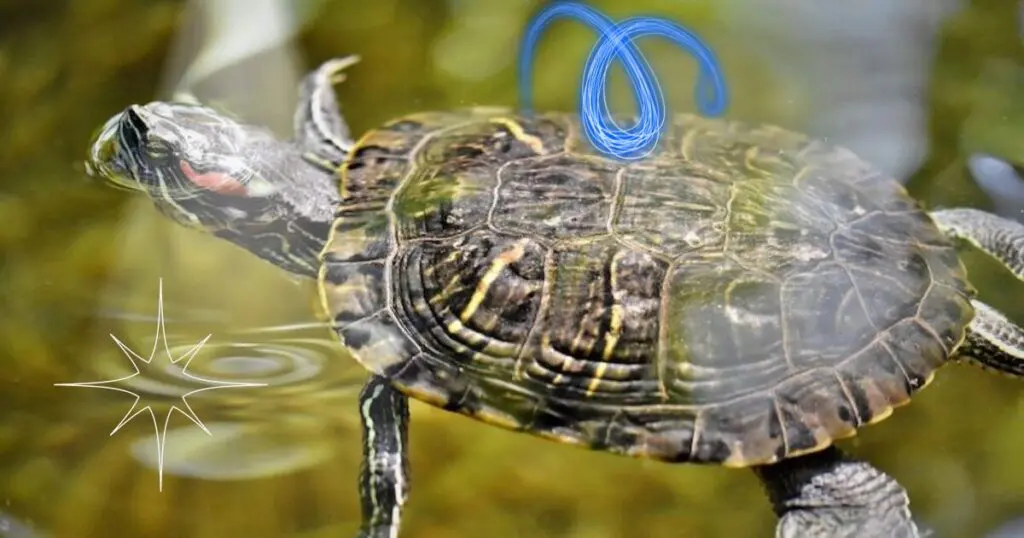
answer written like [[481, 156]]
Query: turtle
[[746, 296]]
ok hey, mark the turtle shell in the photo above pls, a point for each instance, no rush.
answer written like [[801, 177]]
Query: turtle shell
[[745, 295]]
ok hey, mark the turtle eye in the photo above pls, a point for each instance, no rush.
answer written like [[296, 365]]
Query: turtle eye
[[159, 150]]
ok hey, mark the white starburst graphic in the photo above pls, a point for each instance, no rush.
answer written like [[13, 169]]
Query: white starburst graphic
[[139, 363]]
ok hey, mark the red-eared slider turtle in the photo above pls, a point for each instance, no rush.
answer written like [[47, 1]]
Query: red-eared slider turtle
[[745, 297]]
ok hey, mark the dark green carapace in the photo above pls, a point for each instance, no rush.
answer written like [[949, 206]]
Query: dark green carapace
[[747, 295]]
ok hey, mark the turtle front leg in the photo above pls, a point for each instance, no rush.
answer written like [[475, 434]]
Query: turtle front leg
[[320, 129], [830, 494], [384, 477], [993, 341]]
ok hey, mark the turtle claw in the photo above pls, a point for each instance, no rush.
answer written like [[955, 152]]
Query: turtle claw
[[185, 97], [334, 67], [320, 128]]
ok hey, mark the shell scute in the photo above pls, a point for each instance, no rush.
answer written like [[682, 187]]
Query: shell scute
[[746, 295]]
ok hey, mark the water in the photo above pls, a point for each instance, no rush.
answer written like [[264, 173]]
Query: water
[[79, 262]]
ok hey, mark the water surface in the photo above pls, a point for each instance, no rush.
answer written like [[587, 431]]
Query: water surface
[[79, 262]]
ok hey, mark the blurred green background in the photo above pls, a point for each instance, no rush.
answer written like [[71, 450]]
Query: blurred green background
[[79, 261]]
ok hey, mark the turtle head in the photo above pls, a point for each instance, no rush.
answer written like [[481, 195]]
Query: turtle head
[[207, 171]]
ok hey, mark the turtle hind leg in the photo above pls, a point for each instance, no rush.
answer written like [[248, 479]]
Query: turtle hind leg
[[993, 341], [384, 477], [320, 129], [828, 493]]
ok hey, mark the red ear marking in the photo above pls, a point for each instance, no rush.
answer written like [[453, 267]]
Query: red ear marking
[[214, 181]]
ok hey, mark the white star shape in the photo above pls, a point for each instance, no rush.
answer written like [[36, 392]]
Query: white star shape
[[135, 358]]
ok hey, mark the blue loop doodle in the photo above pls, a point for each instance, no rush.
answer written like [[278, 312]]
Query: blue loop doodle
[[636, 65], [616, 42]]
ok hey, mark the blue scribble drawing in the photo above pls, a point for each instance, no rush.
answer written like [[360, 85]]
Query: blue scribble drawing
[[616, 42]]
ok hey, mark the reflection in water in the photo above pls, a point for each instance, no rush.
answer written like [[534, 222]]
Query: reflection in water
[[248, 446], [298, 432], [12, 528], [1000, 181], [216, 58], [139, 383], [990, 138], [860, 66], [231, 451], [273, 363], [1011, 529]]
